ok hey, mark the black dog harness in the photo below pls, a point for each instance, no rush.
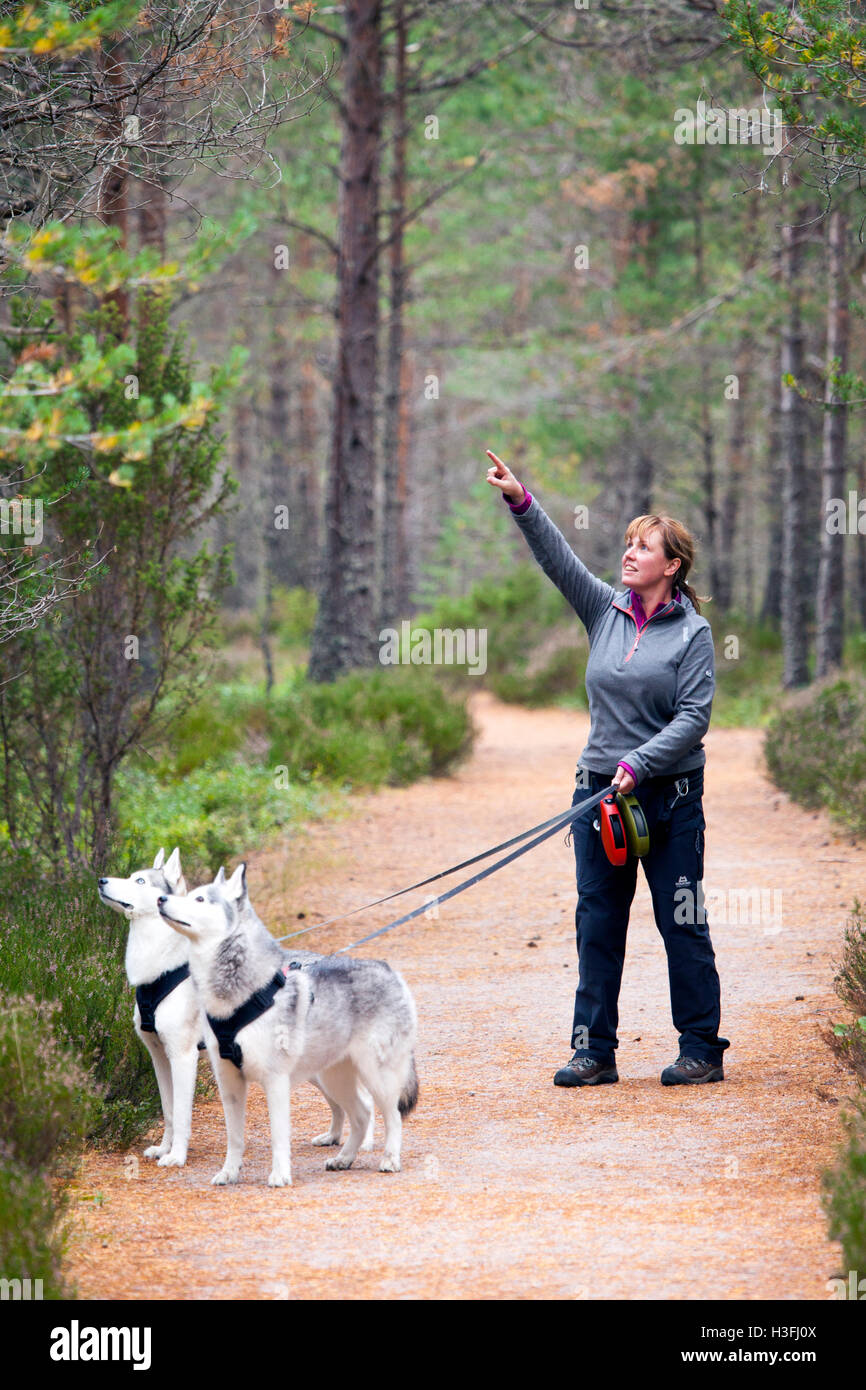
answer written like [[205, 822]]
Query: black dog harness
[[149, 996], [227, 1029]]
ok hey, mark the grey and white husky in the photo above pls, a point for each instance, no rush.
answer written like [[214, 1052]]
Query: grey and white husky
[[350, 1024], [156, 965], [254, 923]]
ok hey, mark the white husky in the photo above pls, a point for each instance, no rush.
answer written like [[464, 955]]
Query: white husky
[[351, 1024], [168, 1017]]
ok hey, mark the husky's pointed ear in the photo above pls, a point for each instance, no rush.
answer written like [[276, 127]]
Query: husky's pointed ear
[[220, 876], [174, 873], [236, 887], [160, 859]]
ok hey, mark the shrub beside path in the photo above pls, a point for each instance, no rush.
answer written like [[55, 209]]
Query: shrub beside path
[[510, 1187]]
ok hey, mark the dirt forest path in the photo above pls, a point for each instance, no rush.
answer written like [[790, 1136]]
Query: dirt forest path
[[512, 1188]]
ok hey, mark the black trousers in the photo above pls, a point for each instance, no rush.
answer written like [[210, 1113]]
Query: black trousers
[[674, 870]]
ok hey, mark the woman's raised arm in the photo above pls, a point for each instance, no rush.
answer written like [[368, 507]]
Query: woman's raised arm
[[588, 595]]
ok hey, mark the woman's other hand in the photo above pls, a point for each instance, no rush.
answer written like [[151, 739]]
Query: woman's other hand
[[499, 475], [623, 781]]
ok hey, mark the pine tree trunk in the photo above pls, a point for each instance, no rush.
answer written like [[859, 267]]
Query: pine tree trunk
[[861, 548], [244, 528], [307, 506], [831, 576], [795, 575], [394, 580], [346, 627], [736, 479], [711, 550], [771, 607], [278, 552]]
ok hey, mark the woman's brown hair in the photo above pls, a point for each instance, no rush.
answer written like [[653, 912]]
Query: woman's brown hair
[[678, 544]]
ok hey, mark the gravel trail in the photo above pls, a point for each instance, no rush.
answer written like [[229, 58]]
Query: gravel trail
[[512, 1188]]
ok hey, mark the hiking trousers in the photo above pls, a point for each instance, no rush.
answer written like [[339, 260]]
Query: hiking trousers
[[674, 870]]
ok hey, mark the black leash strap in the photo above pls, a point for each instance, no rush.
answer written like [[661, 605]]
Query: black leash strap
[[553, 824], [565, 818]]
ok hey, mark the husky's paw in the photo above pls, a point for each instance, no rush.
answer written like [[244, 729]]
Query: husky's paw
[[338, 1163], [326, 1140], [389, 1164], [224, 1176], [367, 1144], [171, 1160], [157, 1150], [278, 1179]]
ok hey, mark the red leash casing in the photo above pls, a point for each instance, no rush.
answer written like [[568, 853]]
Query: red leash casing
[[613, 831]]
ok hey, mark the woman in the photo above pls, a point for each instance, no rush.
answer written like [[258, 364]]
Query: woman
[[650, 681]]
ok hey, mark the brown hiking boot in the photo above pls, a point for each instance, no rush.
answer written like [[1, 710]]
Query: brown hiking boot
[[691, 1071], [585, 1071]]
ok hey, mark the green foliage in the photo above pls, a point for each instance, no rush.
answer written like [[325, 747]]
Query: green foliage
[[215, 812], [854, 653], [58, 28], [844, 1192], [369, 728], [45, 1097], [536, 649], [815, 748], [551, 679], [238, 767], [813, 59], [848, 1040], [748, 683], [60, 943], [85, 696], [844, 1185], [209, 730], [46, 1104], [293, 615], [47, 402]]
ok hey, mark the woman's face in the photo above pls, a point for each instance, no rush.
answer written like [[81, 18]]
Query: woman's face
[[644, 563]]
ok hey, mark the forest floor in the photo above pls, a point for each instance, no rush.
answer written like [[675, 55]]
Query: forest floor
[[512, 1188]]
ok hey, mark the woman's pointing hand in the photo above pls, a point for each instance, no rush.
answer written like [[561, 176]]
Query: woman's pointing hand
[[499, 475]]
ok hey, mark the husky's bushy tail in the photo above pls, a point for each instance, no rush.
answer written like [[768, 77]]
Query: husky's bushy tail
[[409, 1096]]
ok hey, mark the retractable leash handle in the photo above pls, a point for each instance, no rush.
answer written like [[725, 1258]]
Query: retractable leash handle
[[624, 828]]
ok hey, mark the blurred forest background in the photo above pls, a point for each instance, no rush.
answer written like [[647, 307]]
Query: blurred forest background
[[272, 279], [276, 276]]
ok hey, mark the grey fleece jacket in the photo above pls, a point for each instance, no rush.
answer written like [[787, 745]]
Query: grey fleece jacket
[[650, 689]]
